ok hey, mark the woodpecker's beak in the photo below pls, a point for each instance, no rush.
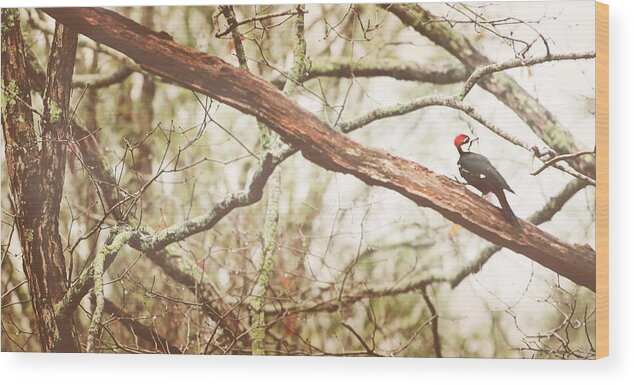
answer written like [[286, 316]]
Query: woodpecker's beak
[[471, 142]]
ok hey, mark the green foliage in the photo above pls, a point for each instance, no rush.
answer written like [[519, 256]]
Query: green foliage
[[54, 111], [11, 17], [9, 96]]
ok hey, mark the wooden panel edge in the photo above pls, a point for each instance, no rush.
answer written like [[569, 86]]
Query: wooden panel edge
[[602, 191]]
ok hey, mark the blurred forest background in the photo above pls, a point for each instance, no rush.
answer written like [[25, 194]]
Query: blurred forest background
[[323, 264]]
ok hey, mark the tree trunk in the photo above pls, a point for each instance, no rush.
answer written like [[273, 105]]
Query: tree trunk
[[37, 174]]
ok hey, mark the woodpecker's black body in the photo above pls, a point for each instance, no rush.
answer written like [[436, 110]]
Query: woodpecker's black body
[[480, 173]]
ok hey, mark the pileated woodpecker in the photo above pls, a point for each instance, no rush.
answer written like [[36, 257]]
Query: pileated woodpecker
[[480, 173]]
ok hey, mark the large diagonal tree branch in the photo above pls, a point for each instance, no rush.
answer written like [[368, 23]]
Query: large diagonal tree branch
[[501, 85], [319, 143]]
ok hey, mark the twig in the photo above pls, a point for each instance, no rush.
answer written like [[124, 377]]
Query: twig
[[95, 81], [434, 322], [558, 158], [253, 19], [369, 350]]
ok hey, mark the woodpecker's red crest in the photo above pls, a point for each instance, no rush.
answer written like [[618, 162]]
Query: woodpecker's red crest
[[460, 140]]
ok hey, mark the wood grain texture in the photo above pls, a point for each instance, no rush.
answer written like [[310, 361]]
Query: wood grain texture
[[602, 198]]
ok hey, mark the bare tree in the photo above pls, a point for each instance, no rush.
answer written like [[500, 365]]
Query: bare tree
[[153, 246]]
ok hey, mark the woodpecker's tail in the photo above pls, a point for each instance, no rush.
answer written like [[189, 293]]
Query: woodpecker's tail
[[507, 211]]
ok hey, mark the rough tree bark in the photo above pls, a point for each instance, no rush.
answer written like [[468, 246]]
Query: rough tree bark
[[36, 172], [158, 54]]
